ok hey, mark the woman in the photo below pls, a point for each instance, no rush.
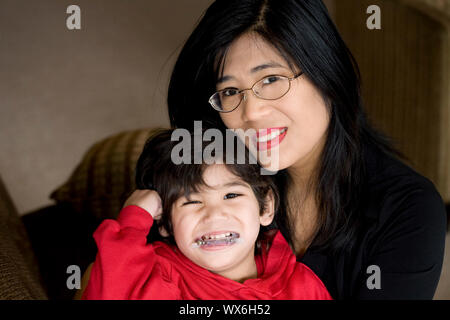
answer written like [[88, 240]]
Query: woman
[[368, 225]]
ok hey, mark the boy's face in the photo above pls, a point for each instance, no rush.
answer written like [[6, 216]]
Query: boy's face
[[217, 227]]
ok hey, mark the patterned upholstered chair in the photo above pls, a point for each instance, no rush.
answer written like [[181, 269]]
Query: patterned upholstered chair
[[61, 234], [104, 178], [19, 272]]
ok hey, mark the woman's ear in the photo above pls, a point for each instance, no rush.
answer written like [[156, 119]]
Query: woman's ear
[[267, 216]]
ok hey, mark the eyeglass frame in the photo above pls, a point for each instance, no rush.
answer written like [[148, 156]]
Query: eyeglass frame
[[251, 88]]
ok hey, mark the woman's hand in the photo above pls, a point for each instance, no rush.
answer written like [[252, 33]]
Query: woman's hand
[[148, 200]]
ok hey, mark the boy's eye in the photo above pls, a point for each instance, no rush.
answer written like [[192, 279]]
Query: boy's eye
[[190, 202], [231, 195]]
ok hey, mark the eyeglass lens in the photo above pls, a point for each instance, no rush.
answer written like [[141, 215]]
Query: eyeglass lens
[[269, 88]]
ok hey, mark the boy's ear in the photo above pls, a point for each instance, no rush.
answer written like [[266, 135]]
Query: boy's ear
[[162, 231], [267, 216]]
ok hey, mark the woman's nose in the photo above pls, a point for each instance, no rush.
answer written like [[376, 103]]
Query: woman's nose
[[253, 108]]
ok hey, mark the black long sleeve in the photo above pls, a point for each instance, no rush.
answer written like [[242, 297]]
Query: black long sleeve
[[409, 247], [403, 235]]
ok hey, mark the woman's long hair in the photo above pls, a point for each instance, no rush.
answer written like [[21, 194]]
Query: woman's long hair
[[303, 33]]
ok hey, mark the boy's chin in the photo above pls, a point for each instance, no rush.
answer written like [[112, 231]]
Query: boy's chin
[[217, 262]]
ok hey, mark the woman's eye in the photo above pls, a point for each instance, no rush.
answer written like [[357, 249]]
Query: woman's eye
[[229, 92], [271, 79], [231, 195]]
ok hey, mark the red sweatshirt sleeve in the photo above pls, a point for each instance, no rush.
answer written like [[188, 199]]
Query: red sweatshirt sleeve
[[126, 267]]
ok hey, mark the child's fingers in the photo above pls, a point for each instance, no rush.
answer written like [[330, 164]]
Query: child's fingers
[[158, 213], [148, 200]]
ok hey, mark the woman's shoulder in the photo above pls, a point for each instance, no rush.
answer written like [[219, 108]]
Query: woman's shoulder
[[394, 188], [383, 168]]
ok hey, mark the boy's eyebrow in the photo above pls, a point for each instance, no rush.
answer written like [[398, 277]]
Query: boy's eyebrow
[[253, 70], [233, 183]]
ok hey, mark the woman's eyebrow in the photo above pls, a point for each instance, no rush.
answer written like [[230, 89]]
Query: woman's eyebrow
[[224, 78], [254, 70], [266, 66]]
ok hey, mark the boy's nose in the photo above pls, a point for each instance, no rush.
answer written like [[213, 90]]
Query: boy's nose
[[215, 212]]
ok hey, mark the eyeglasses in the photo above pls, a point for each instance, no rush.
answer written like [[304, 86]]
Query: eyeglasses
[[272, 87]]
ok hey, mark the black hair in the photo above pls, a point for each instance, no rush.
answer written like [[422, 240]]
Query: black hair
[[306, 37], [156, 170]]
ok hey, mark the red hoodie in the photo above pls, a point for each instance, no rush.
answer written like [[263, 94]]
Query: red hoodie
[[126, 267]]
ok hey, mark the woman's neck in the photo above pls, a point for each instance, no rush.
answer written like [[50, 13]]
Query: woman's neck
[[304, 171], [302, 198], [303, 214]]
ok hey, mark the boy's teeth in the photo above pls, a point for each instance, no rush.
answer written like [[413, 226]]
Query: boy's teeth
[[217, 236], [227, 237]]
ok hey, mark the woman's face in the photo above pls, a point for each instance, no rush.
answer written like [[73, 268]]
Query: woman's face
[[302, 111]]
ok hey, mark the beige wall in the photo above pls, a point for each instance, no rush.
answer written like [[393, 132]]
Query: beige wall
[[61, 90]]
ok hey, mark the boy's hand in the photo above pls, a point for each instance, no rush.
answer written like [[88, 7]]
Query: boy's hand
[[148, 200]]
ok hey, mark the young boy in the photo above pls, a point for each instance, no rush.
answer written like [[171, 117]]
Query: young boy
[[210, 245]]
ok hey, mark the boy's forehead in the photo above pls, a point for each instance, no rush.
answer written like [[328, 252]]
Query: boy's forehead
[[218, 176]]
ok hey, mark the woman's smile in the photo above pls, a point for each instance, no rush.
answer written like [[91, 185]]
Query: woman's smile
[[268, 138]]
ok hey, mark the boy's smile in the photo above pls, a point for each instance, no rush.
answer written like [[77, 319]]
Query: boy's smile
[[217, 240], [217, 227]]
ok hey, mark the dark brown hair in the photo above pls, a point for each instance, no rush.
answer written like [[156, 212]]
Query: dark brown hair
[[156, 170]]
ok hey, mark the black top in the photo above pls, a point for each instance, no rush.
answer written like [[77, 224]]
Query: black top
[[404, 235]]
